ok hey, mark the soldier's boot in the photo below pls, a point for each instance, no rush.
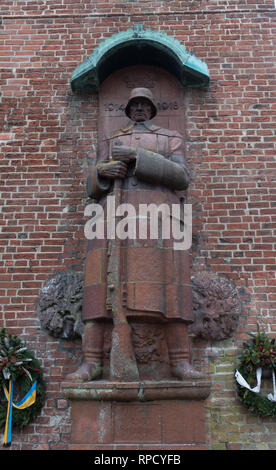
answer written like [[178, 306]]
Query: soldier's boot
[[92, 344], [179, 349]]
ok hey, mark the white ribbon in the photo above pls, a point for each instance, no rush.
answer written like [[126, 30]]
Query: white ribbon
[[270, 396], [243, 383]]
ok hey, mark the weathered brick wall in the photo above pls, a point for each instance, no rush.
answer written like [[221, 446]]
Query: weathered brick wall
[[48, 136]]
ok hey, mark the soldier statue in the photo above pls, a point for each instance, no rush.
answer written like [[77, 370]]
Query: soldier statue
[[154, 283]]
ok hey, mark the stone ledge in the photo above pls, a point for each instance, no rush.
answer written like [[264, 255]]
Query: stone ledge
[[138, 447], [104, 390]]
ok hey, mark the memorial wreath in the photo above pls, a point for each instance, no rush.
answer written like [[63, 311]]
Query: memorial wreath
[[258, 354], [20, 375]]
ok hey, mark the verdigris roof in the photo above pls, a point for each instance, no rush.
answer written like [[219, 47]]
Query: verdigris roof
[[140, 46]]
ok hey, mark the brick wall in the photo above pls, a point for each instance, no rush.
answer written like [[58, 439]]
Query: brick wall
[[48, 136]]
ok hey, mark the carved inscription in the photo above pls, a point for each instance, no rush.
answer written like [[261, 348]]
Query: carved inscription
[[145, 80], [164, 105], [114, 107], [161, 105]]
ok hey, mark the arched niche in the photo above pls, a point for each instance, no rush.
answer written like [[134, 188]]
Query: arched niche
[[140, 46]]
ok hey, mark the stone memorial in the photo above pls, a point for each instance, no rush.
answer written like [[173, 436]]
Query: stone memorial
[[137, 307]]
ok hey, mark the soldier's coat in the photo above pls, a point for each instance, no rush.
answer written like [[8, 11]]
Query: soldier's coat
[[155, 279]]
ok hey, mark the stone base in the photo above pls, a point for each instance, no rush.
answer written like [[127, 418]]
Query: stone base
[[138, 415]]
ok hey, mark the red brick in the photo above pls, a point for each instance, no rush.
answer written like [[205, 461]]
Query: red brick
[[47, 135]]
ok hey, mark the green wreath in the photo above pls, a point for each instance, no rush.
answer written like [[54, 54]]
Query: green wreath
[[17, 363], [259, 352]]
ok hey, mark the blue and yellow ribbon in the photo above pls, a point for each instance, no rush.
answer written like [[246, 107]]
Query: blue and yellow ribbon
[[28, 400]]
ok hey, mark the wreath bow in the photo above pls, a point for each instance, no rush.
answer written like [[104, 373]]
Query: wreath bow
[[243, 383], [28, 400]]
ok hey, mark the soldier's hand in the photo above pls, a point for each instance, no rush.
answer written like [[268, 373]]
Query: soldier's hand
[[112, 169], [123, 153]]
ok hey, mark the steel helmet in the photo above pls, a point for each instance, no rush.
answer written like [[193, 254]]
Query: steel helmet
[[141, 93]]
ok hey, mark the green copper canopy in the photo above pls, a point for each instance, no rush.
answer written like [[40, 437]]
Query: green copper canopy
[[140, 46]]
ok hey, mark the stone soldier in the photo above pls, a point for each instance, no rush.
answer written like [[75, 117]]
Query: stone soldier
[[150, 163]]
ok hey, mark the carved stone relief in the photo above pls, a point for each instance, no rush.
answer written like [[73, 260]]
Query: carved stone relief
[[216, 305], [59, 305], [150, 348]]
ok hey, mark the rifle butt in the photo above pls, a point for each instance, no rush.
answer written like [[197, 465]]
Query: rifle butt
[[123, 365]]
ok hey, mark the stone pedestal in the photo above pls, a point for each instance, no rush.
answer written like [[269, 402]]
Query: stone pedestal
[[163, 415]]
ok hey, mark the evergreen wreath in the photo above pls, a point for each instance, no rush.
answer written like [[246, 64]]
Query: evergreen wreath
[[18, 363], [259, 352]]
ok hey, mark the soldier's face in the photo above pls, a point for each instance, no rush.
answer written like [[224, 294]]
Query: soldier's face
[[140, 110]]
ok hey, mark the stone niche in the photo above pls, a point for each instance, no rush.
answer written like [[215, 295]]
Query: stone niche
[[157, 411]]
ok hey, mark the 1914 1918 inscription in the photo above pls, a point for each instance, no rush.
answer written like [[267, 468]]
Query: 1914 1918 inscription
[[161, 106]]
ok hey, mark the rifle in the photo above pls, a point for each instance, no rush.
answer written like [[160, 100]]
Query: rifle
[[123, 365]]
